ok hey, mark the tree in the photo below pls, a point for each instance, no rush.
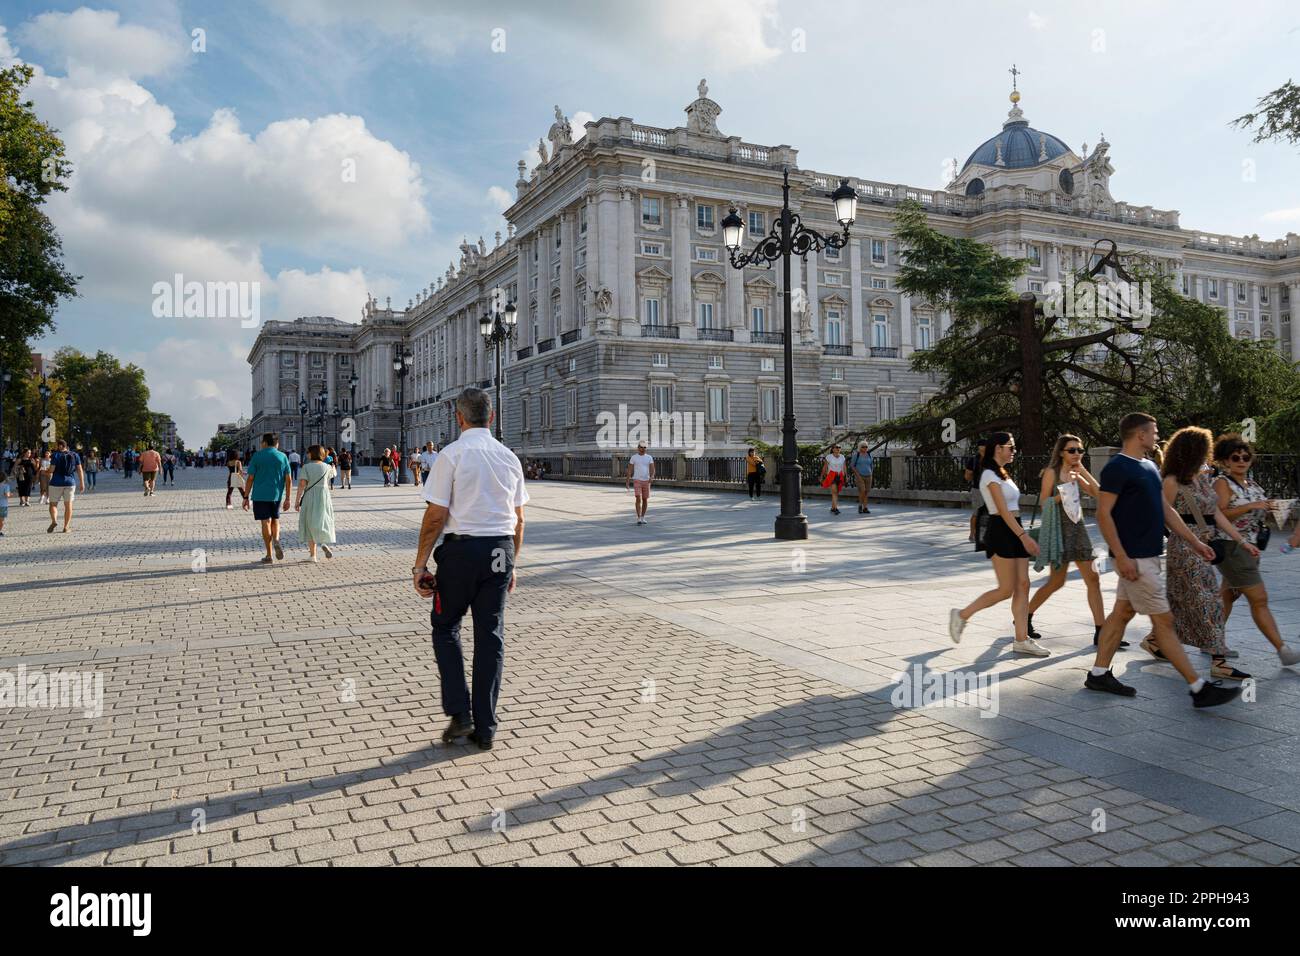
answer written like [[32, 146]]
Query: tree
[[1276, 116], [1004, 365], [32, 276]]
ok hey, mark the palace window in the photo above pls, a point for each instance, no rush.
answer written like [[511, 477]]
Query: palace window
[[834, 327], [758, 319], [650, 212], [767, 365], [717, 403], [757, 223], [839, 411], [924, 333], [704, 218], [650, 311], [715, 363], [659, 360], [661, 399], [878, 250], [880, 331], [704, 312], [769, 405], [571, 405], [1035, 257], [652, 248], [1213, 287], [885, 406], [878, 283]]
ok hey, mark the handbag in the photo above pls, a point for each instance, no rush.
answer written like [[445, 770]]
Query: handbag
[[1218, 545], [981, 527]]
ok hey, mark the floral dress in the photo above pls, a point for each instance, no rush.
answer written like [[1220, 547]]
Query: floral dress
[[1192, 584]]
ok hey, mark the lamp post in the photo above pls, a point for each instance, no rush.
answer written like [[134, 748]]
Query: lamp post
[[5, 377], [44, 390], [498, 328], [68, 403], [302, 422], [352, 409], [401, 365], [790, 237], [321, 398], [337, 415]]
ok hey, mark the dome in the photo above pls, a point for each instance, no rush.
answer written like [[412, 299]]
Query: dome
[[1022, 145]]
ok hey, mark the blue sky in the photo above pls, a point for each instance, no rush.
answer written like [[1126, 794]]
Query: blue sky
[[224, 164]]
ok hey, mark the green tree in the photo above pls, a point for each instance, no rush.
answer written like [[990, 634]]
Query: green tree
[[32, 276], [1276, 116]]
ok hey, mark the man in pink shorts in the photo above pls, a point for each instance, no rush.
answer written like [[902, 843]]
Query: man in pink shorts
[[640, 472]]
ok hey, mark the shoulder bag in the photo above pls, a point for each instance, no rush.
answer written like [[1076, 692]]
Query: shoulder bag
[[1219, 546]]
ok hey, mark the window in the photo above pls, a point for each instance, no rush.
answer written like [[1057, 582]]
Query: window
[[523, 414], [769, 404], [880, 331], [661, 399], [344, 360], [571, 403], [878, 283], [650, 212], [717, 403], [1035, 286], [535, 245], [758, 319], [659, 360], [1263, 295], [555, 271], [715, 362], [557, 239], [546, 409], [878, 250], [1035, 257], [1213, 286], [924, 333], [581, 257], [704, 218], [1184, 283], [767, 365], [839, 411], [885, 406], [652, 248], [837, 375], [706, 254], [1241, 292], [317, 360], [834, 278], [532, 282], [582, 219], [1243, 316], [832, 254], [757, 223], [650, 311], [834, 327], [704, 311], [1286, 294], [288, 360], [573, 365], [345, 403]]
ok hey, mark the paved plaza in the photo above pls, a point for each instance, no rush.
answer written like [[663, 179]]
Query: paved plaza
[[687, 692]]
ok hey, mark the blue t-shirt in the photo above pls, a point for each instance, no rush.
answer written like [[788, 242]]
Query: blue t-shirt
[[65, 465], [269, 468], [862, 464], [1139, 511]]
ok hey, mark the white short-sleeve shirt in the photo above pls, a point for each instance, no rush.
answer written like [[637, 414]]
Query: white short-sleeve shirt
[[641, 467], [1010, 493], [427, 458], [480, 483]]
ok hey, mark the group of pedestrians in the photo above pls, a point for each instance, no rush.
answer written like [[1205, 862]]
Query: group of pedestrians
[[857, 469], [418, 462], [1201, 496], [268, 485]]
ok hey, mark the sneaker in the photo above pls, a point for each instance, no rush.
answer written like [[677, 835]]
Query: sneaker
[[1223, 670], [328, 552], [50, 529], [955, 625], [1110, 684], [1031, 647], [1288, 655], [1212, 695], [1149, 645], [229, 507]]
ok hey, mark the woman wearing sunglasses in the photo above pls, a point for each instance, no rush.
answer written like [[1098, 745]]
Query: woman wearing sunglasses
[[1008, 545], [1066, 480], [1244, 503]]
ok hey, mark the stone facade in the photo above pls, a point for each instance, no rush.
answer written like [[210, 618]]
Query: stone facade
[[626, 297]]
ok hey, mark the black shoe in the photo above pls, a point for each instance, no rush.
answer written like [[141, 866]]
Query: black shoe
[[1212, 695], [483, 743], [1033, 635], [1096, 633], [459, 727], [866, 511], [1110, 684]]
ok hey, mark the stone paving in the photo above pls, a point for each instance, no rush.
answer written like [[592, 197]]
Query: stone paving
[[687, 692]]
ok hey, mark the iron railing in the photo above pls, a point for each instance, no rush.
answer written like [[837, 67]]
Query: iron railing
[[715, 469], [935, 473], [879, 351], [768, 338], [1278, 475], [715, 335], [589, 467], [660, 332], [571, 336]]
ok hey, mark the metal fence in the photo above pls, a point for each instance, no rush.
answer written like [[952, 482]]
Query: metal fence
[[1278, 475], [731, 470], [590, 467], [935, 473]]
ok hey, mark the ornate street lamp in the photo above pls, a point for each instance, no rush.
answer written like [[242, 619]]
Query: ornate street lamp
[[789, 236], [5, 378], [497, 329], [68, 403], [352, 407], [302, 423], [401, 365], [337, 416], [44, 390], [321, 398]]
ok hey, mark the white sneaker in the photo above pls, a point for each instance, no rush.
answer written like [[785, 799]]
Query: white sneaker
[[1288, 655], [1031, 647], [229, 507], [955, 625]]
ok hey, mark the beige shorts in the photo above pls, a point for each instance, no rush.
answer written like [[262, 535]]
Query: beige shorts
[[641, 488], [64, 493], [1147, 593]]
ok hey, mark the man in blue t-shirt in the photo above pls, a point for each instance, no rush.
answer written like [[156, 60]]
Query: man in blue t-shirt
[[1132, 513], [863, 465], [66, 478], [267, 482]]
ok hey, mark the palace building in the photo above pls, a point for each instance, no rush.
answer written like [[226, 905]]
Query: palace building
[[625, 295]]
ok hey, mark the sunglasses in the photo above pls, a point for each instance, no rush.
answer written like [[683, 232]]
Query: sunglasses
[[1074, 451], [1244, 456]]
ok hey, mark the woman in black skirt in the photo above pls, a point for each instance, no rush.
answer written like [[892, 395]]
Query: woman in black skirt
[[1007, 544]]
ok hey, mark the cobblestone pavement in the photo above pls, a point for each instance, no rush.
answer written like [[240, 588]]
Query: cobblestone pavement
[[687, 692]]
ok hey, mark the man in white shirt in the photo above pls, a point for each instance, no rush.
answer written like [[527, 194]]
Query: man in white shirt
[[476, 495], [640, 472], [427, 458], [294, 461]]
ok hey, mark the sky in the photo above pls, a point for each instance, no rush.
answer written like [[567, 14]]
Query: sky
[[326, 149]]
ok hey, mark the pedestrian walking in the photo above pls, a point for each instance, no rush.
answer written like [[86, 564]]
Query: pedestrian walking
[[150, 465], [386, 465], [295, 462], [863, 465], [314, 505], [44, 476], [640, 473], [1245, 506], [91, 464], [833, 476], [427, 459], [476, 495], [128, 463], [234, 476], [66, 478], [1008, 545], [4, 499], [971, 472], [754, 472], [169, 468], [25, 475], [267, 481], [345, 469], [1065, 481], [1132, 513]]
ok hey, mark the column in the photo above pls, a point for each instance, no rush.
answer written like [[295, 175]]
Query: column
[[681, 229], [568, 305], [522, 262], [302, 376], [609, 233], [1294, 309], [1178, 276], [545, 254], [270, 382], [905, 320], [592, 271], [1196, 288], [735, 291], [331, 360], [1053, 262], [626, 297], [814, 297], [1254, 310], [1229, 301], [857, 334]]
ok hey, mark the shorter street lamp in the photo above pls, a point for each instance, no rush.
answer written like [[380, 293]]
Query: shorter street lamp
[[68, 403], [402, 366], [352, 408], [498, 328], [5, 378], [44, 390], [302, 421], [337, 415]]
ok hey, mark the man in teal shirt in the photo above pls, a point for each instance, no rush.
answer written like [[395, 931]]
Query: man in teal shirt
[[863, 466], [268, 477]]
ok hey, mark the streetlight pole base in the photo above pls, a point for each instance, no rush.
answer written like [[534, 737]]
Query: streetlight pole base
[[791, 528]]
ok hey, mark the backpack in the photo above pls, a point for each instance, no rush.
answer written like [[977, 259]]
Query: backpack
[[65, 464]]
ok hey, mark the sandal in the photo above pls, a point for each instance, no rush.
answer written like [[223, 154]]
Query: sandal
[[1149, 645], [1222, 669]]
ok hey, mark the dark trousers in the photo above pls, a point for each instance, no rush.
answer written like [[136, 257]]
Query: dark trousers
[[169, 472], [755, 484], [473, 574]]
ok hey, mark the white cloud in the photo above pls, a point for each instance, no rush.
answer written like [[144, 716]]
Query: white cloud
[[500, 198], [1288, 219], [337, 294], [97, 40], [1037, 21]]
